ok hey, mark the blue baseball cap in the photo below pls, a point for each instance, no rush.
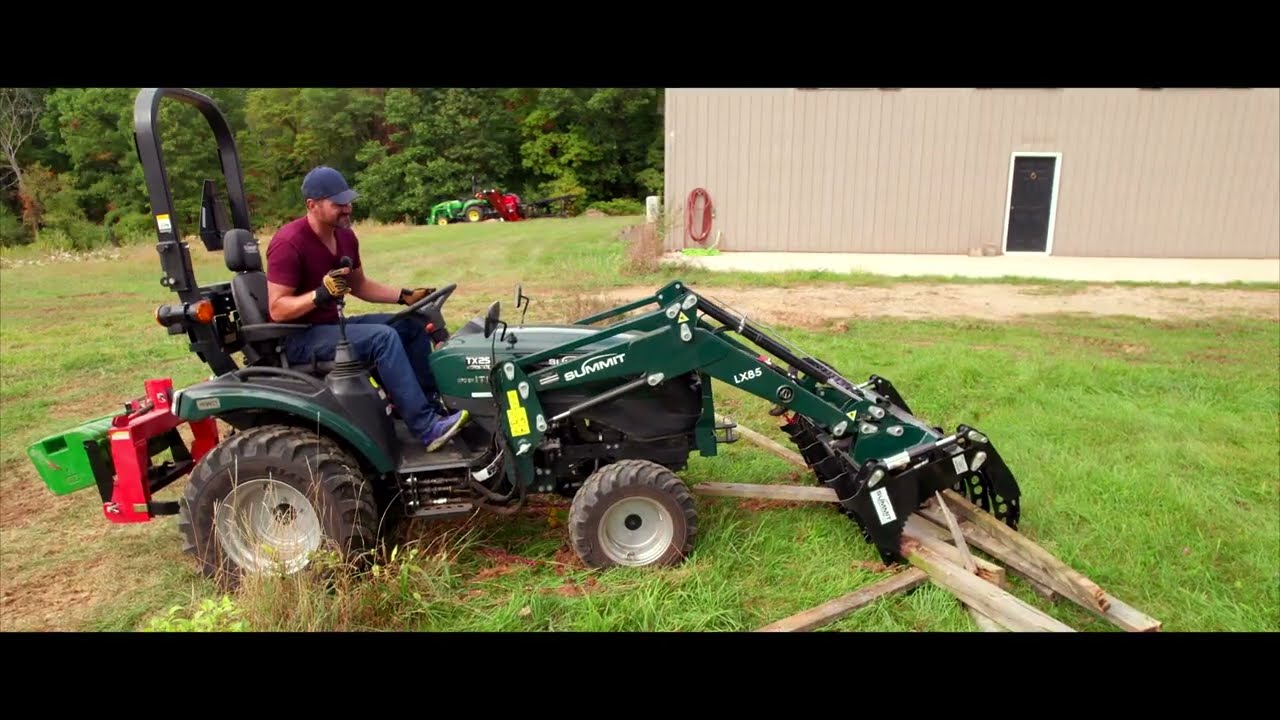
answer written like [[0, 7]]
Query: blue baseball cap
[[325, 182]]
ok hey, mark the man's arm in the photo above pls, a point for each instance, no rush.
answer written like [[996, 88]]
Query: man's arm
[[286, 306]]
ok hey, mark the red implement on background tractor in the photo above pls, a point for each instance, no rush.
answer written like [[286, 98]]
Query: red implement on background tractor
[[507, 205], [510, 208]]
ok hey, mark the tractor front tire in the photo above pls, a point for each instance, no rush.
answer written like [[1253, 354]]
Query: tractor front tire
[[268, 497], [633, 513]]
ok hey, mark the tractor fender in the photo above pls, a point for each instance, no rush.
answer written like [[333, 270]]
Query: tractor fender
[[220, 398]]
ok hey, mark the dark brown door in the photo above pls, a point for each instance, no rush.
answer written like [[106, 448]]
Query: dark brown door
[[1030, 202]]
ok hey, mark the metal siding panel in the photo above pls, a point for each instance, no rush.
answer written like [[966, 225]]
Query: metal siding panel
[[833, 170], [1268, 243], [927, 180], [901, 205], [993, 167], [843, 169], [677, 156], [898, 151], [956, 142], [871, 147], [880, 148], [804, 235], [1187, 183], [1241, 205], [780, 177], [804, 230], [759, 177]]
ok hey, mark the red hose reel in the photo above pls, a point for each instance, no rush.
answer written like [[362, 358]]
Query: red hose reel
[[701, 234]]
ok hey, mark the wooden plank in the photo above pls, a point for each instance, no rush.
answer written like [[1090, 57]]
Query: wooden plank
[[1119, 613], [769, 444], [935, 538], [1124, 615], [1006, 609], [829, 612], [803, 493], [996, 548], [984, 623], [1068, 580], [956, 536]]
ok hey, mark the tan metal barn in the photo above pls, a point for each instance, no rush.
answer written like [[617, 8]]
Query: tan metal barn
[[1086, 172]]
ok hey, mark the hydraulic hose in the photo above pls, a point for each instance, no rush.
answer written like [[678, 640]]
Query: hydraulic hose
[[705, 231]]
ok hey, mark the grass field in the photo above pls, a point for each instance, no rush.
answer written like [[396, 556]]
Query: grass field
[[1146, 451]]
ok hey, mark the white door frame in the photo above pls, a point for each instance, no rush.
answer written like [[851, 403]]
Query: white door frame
[[1053, 201]]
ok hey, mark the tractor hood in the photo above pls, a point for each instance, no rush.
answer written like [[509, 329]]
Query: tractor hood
[[462, 365]]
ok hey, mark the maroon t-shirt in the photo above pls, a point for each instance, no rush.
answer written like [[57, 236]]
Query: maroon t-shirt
[[297, 258]]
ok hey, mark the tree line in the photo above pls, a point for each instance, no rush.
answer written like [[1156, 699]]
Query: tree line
[[69, 174]]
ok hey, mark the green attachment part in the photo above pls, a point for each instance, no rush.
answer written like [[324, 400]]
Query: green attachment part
[[65, 460]]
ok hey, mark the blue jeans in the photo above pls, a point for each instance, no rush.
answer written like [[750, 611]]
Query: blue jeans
[[400, 351]]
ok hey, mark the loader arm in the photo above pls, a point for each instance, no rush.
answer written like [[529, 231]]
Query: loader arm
[[860, 440]]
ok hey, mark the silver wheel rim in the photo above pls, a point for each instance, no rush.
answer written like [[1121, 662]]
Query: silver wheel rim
[[267, 525], [636, 531]]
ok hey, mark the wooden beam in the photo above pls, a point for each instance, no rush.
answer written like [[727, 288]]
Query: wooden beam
[[1118, 612], [803, 493], [1068, 580], [934, 538], [984, 623], [829, 612], [995, 603], [769, 444]]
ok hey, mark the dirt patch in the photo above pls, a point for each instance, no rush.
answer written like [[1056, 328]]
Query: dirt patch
[[572, 588], [57, 600], [566, 559], [1109, 347], [870, 566], [25, 499], [495, 571], [1215, 357], [818, 306]]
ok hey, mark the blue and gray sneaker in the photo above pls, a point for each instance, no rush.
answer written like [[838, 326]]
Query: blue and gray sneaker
[[442, 430]]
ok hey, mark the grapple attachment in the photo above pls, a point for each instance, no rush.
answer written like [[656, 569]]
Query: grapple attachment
[[881, 493]]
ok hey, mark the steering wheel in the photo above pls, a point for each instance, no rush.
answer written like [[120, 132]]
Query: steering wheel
[[438, 298]]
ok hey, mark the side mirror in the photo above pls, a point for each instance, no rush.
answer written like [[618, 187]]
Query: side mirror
[[491, 318], [522, 302]]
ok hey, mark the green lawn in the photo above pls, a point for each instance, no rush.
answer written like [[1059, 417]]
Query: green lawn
[[1146, 452]]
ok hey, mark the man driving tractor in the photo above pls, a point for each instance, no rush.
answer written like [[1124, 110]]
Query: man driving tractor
[[314, 261]]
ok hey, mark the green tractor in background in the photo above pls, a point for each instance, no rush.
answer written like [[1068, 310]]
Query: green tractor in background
[[472, 209], [451, 211]]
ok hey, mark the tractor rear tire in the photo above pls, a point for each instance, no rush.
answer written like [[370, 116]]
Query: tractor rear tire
[[305, 492], [633, 513]]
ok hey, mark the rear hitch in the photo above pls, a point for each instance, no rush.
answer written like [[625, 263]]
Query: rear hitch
[[146, 429]]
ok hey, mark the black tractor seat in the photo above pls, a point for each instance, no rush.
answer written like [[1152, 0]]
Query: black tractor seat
[[263, 339]]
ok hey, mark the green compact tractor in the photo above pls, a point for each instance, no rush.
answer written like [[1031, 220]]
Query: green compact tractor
[[451, 211], [606, 410]]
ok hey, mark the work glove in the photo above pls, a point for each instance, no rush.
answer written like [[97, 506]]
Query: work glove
[[409, 297], [333, 288]]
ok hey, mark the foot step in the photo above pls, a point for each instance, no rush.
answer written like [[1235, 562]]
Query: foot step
[[729, 435]]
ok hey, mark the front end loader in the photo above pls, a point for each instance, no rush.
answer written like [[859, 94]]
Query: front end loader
[[605, 410]]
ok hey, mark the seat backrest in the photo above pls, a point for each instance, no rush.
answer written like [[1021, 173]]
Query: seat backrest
[[249, 289]]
